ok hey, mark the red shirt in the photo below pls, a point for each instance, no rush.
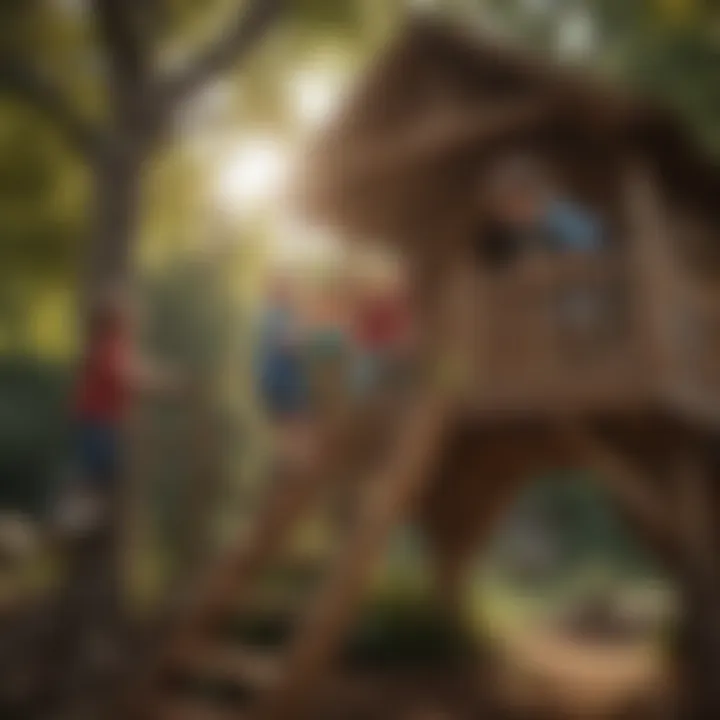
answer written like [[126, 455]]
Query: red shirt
[[382, 323], [102, 388]]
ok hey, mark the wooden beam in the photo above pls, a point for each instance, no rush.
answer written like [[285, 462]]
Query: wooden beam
[[629, 486], [655, 272], [425, 141], [691, 478]]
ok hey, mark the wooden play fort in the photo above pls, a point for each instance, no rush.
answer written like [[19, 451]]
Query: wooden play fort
[[510, 385]]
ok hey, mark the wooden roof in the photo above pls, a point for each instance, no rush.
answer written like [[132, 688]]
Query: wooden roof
[[439, 96]]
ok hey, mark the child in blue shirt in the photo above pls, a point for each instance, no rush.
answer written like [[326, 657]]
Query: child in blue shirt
[[282, 381]]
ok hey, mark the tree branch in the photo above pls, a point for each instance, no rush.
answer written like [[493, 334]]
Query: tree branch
[[25, 83], [251, 23], [117, 22]]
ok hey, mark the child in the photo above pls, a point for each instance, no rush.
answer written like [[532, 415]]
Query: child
[[109, 374], [86, 637], [282, 372], [543, 224], [382, 333], [328, 348], [534, 215]]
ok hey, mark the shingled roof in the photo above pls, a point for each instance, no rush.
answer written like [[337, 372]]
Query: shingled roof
[[381, 145]]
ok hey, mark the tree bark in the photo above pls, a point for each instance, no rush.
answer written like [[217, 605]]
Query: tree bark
[[115, 218]]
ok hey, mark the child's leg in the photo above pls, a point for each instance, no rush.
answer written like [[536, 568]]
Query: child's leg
[[81, 505]]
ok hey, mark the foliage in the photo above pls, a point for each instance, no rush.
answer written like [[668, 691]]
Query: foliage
[[665, 47], [42, 197], [576, 518], [191, 325], [34, 431], [669, 49], [401, 630]]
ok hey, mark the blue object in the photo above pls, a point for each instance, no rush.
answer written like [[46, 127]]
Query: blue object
[[283, 385], [572, 228], [98, 449], [282, 378]]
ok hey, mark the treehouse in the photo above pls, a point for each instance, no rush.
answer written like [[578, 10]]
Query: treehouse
[[628, 388], [404, 164]]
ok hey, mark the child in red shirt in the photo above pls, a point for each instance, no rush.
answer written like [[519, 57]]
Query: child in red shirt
[[101, 395], [109, 374], [85, 638]]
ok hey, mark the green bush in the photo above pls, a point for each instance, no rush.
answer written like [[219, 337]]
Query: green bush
[[405, 630], [34, 428]]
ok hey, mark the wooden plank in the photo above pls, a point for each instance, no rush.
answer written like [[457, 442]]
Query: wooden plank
[[438, 134], [391, 495], [228, 581]]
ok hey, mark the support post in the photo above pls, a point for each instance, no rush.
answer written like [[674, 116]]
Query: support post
[[654, 272], [699, 577]]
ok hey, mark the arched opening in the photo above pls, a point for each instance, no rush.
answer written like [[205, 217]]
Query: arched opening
[[579, 610], [569, 613]]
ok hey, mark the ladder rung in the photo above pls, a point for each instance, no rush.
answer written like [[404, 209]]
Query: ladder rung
[[197, 709], [244, 666]]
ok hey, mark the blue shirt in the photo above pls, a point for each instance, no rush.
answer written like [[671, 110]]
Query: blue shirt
[[276, 352], [572, 228], [276, 330]]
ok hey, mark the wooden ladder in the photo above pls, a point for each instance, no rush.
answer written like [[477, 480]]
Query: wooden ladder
[[272, 685]]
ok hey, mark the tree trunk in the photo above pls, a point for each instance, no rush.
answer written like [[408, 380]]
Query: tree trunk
[[90, 617], [115, 217]]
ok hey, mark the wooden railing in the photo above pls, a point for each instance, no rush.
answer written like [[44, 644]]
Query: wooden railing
[[569, 333], [556, 331]]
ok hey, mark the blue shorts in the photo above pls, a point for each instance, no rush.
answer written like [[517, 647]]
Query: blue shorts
[[284, 388], [98, 452]]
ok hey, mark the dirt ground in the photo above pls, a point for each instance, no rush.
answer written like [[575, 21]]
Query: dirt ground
[[542, 672]]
